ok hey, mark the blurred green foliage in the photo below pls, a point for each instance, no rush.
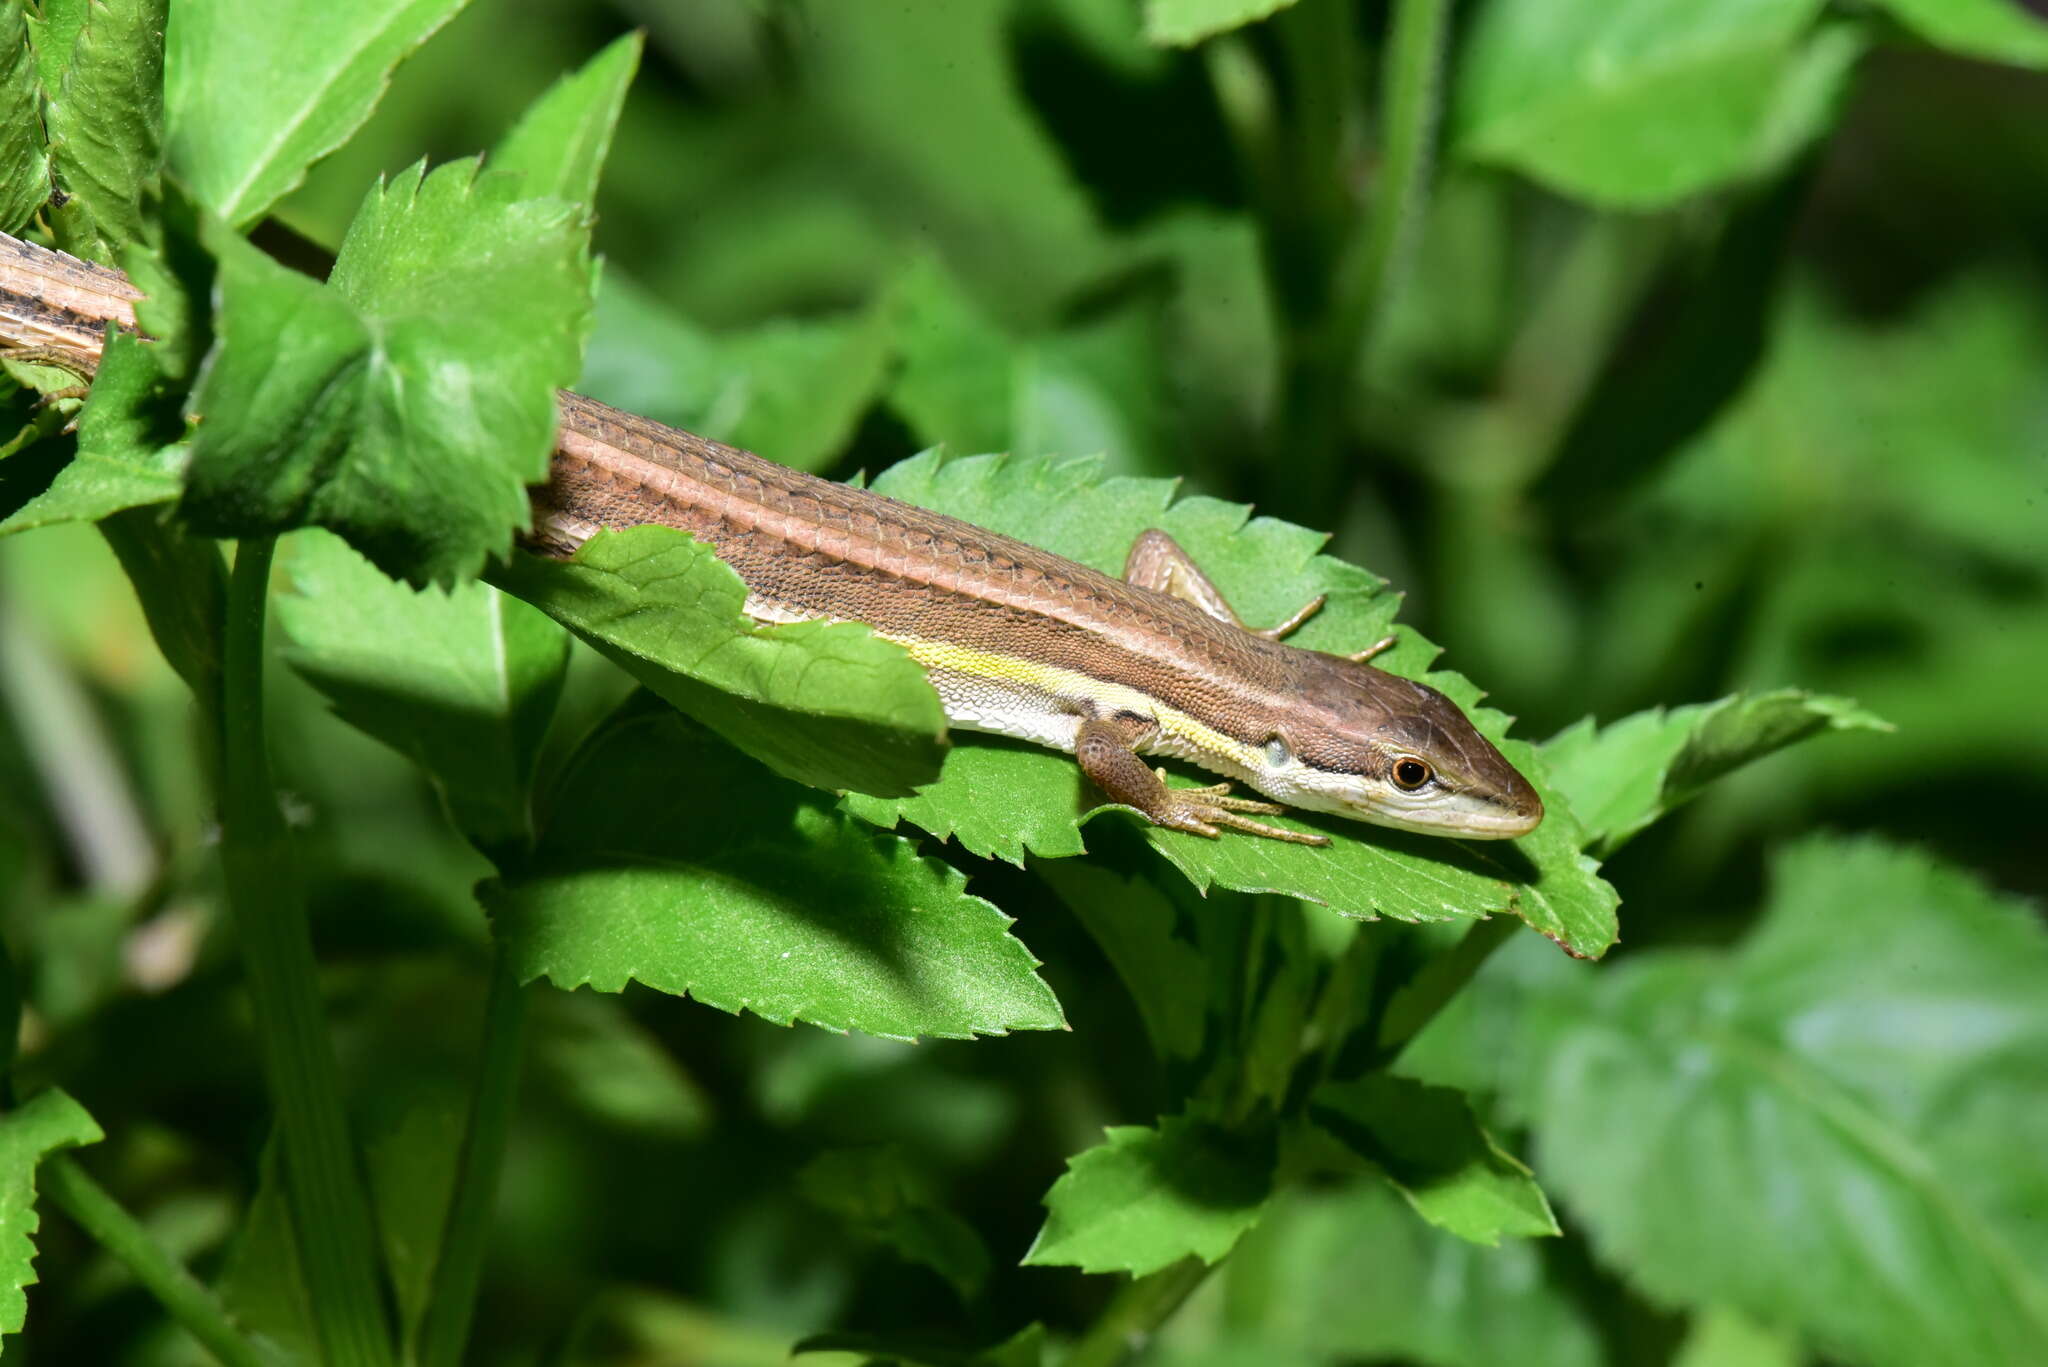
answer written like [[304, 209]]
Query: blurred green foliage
[[1710, 364]]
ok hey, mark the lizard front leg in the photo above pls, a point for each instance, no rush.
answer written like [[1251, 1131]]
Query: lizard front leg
[[1105, 749]]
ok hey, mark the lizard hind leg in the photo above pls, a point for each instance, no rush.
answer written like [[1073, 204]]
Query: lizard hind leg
[[1157, 562]]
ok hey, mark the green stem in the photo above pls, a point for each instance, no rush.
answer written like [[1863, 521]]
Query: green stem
[[189, 1302], [1331, 264], [1412, 97], [1135, 1314], [1428, 992], [1310, 222], [330, 1211], [1308, 217], [465, 1237]]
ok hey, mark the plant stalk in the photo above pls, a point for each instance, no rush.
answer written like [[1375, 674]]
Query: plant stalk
[[330, 1210], [451, 1304], [1411, 106], [1134, 1315], [1333, 264], [1419, 1000], [193, 1305]]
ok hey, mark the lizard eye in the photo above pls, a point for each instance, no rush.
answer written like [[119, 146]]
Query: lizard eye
[[1276, 752], [1410, 773]]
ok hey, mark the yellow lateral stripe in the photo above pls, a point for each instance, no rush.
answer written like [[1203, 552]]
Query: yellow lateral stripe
[[1068, 683]]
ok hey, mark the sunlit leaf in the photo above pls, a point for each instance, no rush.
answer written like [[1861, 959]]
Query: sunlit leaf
[[54, 33], [1621, 777], [30, 1132], [824, 703], [408, 401], [1183, 23], [559, 144], [251, 105], [106, 123], [1639, 103], [1005, 799], [1994, 30], [24, 165]]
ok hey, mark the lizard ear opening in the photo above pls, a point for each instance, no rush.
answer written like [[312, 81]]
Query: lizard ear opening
[[1277, 753]]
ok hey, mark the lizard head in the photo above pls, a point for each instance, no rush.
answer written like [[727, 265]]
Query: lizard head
[[1376, 747]]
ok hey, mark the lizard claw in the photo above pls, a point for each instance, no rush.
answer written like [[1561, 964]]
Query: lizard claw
[[1201, 811]]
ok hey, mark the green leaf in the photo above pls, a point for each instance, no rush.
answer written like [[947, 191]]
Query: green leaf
[[45, 376], [1833, 1126], [24, 165], [967, 383], [1146, 1198], [1639, 103], [826, 704], [54, 33], [1700, 329], [1183, 23], [412, 1154], [1134, 923], [251, 105], [261, 1281], [128, 456], [1870, 574], [1947, 382], [600, 1060], [1621, 777], [1268, 956], [462, 683], [44, 1123], [1003, 799], [559, 144], [793, 389], [408, 402], [880, 1195], [1720, 1337], [1431, 1147], [106, 125], [1994, 30], [673, 861], [958, 157], [177, 275], [181, 585], [1349, 1275]]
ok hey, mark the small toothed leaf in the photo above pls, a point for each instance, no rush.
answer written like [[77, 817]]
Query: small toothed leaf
[[409, 401], [1145, 1198], [30, 1132], [1006, 799]]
